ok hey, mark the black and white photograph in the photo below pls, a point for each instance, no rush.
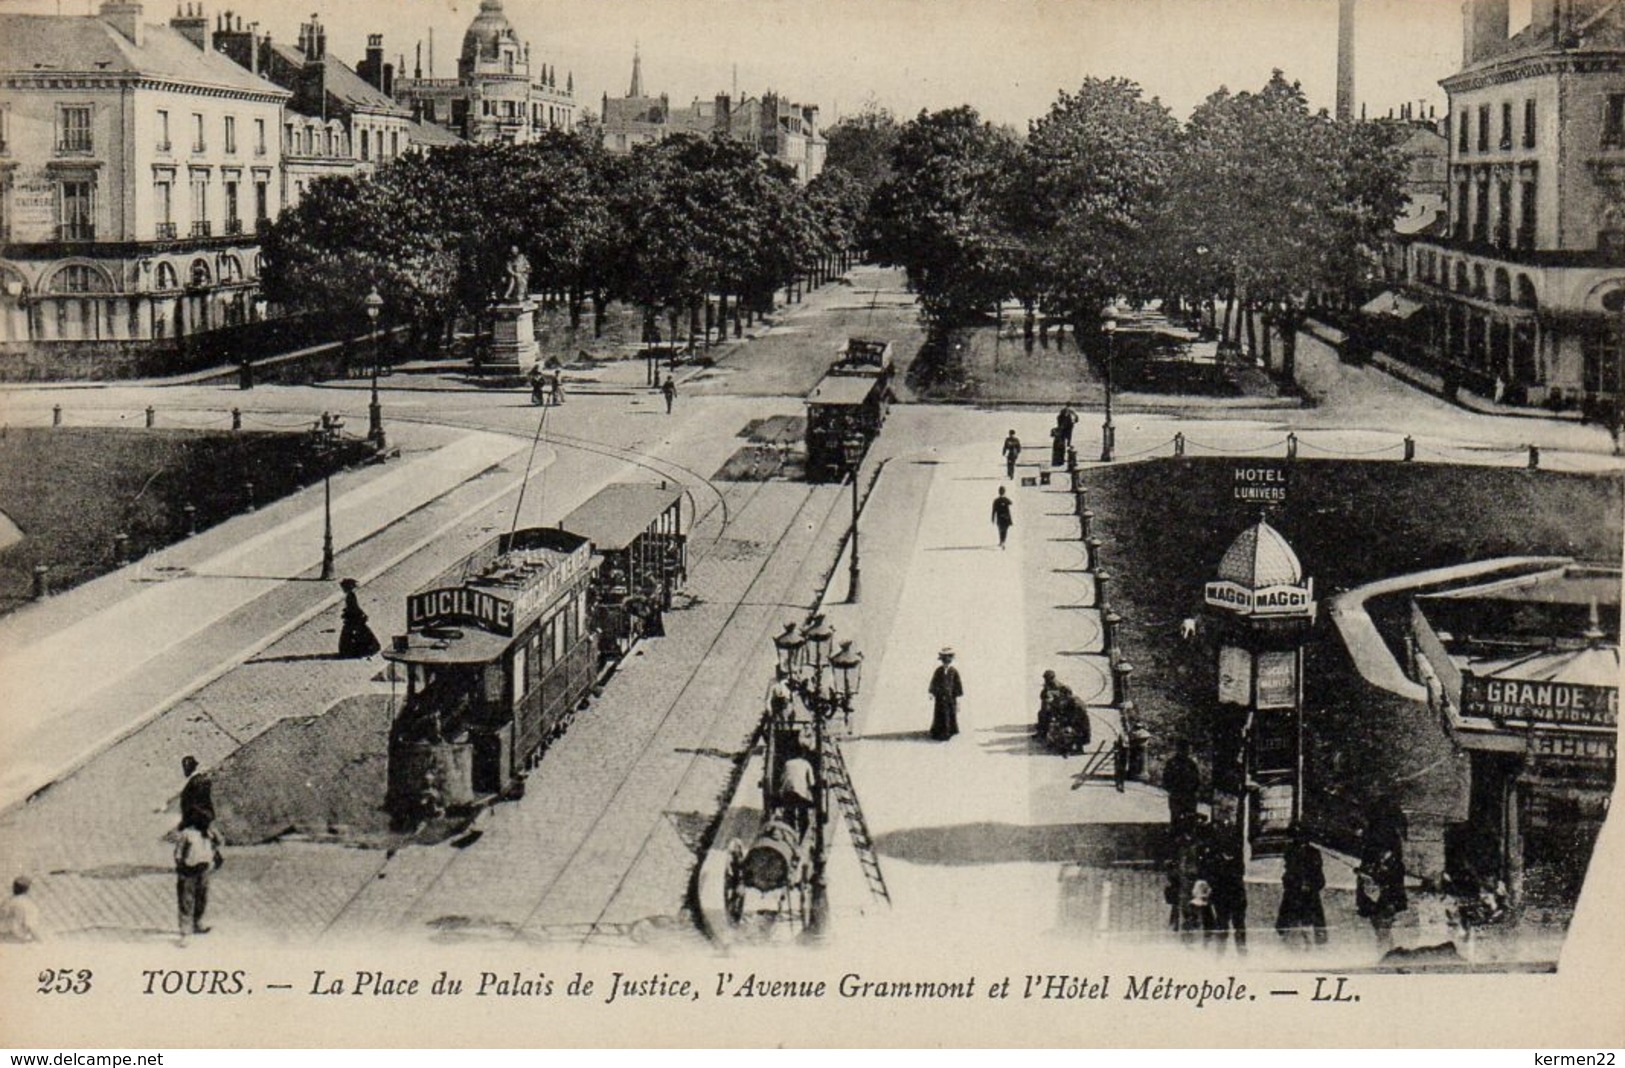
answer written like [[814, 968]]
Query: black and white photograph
[[723, 522]]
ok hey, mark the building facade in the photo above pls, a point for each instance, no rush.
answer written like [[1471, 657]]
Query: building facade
[[1525, 294], [771, 124], [337, 122], [499, 94], [136, 167]]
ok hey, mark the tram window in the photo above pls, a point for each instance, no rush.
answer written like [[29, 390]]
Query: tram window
[[493, 685], [558, 642], [567, 619], [534, 660], [581, 614], [521, 671], [548, 658]]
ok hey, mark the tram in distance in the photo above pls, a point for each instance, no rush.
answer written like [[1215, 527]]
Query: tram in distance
[[506, 645], [848, 404]]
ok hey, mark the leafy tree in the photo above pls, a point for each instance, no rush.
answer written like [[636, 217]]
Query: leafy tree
[[1096, 171], [860, 146], [939, 216]]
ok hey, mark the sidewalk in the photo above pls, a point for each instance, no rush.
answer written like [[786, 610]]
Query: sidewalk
[[89, 666]]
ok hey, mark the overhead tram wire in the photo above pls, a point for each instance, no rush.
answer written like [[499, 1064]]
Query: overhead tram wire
[[524, 483]]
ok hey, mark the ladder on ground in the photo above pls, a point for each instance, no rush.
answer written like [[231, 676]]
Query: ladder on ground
[[839, 784]]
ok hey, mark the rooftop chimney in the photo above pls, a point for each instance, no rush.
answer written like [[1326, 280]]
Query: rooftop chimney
[[125, 17], [191, 24], [1485, 30]]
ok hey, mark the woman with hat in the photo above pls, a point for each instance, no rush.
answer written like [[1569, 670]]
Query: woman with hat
[[945, 690], [356, 639]]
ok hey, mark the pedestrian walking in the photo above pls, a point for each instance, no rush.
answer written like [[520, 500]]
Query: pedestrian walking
[[356, 639], [1183, 781], [1379, 894], [946, 690], [1065, 421], [556, 381], [197, 856], [1226, 875], [1050, 695], [1002, 518], [1012, 453], [1303, 877], [669, 390], [19, 916], [197, 796], [1057, 447]]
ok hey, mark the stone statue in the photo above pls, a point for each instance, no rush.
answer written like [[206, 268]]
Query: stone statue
[[518, 287]]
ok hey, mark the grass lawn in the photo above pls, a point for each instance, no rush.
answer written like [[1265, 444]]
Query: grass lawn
[[1166, 523], [71, 489]]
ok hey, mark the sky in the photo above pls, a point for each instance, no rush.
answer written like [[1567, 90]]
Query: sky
[[1007, 58]]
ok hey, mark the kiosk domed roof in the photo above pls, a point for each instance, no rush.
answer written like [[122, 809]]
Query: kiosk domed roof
[[488, 27], [1260, 557]]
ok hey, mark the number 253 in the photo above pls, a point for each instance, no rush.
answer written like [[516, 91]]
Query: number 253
[[64, 981]]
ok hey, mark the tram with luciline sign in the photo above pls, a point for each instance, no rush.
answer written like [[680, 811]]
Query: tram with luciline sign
[[499, 653], [846, 408], [640, 560]]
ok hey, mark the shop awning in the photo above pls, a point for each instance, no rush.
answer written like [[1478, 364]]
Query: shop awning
[[1393, 305]]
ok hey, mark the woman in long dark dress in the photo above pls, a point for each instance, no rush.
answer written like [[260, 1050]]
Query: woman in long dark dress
[[1303, 877], [356, 639], [946, 690]]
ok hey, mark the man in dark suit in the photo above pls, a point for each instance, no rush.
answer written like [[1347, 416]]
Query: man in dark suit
[[197, 796]]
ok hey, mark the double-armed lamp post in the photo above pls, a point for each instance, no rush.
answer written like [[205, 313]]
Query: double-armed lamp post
[[854, 447]]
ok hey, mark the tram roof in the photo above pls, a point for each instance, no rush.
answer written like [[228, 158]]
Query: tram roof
[[838, 389], [460, 644], [619, 513]]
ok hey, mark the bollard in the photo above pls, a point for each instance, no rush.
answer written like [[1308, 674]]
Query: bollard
[[1086, 519], [42, 585], [1179, 444], [149, 417], [1110, 622], [121, 549], [236, 419], [1292, 446], [1534, 457], [1410, 447], [1094, 553], [1080, 500], [1071, 458], [1124, 670], [1102, 580], [248, 492], [191, 518], [1077, 480], [56, 415]]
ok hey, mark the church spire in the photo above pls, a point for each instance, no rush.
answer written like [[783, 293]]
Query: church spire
[[637, 74]]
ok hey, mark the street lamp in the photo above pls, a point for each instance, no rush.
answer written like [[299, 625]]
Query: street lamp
[[818, 635], [375, 412], [324, 456], [854, 448], [789, 646], [848, 677], [1108, 432]]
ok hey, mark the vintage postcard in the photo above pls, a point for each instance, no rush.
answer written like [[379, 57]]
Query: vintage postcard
[[723, 523]]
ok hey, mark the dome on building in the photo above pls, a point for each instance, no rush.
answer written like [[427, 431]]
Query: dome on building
[[1260, 558], [489, 27]]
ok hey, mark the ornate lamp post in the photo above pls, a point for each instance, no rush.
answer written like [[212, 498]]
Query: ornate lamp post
[[375, 412], [1108, 432], [854, 448]]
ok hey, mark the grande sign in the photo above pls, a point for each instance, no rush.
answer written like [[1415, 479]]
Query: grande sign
[[1567, 703], [1267, 601]]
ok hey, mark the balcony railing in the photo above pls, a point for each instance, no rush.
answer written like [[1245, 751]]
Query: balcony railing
[[166, 231], [234, 226], [164, 146], [261, 225], [202, 228], [76, 231], [74, 145]]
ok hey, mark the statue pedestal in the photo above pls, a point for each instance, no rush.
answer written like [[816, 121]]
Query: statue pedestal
[[513, 336]]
